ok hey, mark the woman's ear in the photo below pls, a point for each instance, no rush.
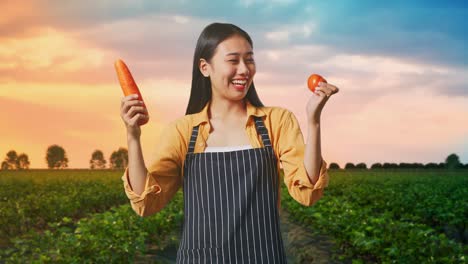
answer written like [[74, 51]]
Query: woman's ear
[[203, 66]]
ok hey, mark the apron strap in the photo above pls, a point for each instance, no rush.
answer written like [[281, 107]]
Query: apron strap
[[193, 139], [259, 124], [261, 129]]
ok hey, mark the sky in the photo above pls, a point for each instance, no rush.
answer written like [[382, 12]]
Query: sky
[[401, 67]]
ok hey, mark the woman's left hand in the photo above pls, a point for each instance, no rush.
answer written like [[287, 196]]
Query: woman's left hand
[[317, 101]]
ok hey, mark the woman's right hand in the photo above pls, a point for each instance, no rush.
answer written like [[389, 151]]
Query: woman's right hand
[[134, 114]]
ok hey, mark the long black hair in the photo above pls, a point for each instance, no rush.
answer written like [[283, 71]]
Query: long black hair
[[209, 39]]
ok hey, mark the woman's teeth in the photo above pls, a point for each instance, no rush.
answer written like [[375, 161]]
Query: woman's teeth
[[238, 82]]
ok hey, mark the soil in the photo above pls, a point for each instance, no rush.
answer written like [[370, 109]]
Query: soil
[[302, 245]]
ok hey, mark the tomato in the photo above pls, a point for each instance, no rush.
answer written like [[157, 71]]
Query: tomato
[[314, 80]]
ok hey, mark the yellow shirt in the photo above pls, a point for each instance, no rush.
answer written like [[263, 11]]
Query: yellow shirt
[[165, 174]]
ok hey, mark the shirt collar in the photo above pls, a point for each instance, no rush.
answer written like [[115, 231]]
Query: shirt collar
[[202, 116]]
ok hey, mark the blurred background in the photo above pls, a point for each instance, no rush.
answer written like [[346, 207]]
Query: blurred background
[[401, 68]]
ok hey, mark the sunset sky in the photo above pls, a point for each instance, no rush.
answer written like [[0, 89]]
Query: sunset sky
[[401, 66]]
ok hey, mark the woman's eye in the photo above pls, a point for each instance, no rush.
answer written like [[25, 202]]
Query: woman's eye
[[248, 60]]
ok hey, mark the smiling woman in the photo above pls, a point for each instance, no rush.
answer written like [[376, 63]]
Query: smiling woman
[[226, 153], [217, 56], [229, 64]]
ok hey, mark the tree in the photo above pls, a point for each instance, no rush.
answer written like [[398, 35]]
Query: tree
[[376, 166], [119, 159], [97, 160], [334, 165], [349, 165], [4, 165], [388, 165], [23, 162], [56, 157], [431, 165], [452, 162], [13, 161], [361, 165]]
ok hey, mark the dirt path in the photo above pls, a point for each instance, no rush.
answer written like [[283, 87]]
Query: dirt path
[[301, 244]]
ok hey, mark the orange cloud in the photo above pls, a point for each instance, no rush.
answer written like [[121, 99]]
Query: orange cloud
[[48, 55], [60, 87], [17, 18], [49, 46], [80, 124]]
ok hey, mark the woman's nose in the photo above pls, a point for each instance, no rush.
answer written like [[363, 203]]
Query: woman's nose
[[243, 69]]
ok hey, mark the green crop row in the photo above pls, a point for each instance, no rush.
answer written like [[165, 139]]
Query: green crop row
[[385, 216], [397, 217], [115, 236], [32, 199], [437, 200]]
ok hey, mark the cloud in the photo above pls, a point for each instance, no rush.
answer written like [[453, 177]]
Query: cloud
[[87, 56], [18, 18], [78, 120], [266, 3], [375, 74], [400, 66], [400, 127], [403, 29], [48, 49], [181, 19], [284, 34], [422, 31], [403, 126]]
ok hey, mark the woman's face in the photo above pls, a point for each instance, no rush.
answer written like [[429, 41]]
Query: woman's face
[[232, 68]]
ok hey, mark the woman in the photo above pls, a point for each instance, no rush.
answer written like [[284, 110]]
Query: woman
[[226, 154]]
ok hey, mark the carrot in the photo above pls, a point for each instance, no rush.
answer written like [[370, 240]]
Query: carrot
[[126, 79], [127, 82]]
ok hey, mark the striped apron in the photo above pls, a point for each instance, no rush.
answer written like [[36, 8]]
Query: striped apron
[[230, 205]]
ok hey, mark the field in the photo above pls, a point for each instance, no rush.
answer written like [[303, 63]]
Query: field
[[378, 216], [393, 216]]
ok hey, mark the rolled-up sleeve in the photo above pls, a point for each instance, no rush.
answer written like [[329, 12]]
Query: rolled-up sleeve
[[163, 179], [291, 154]]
